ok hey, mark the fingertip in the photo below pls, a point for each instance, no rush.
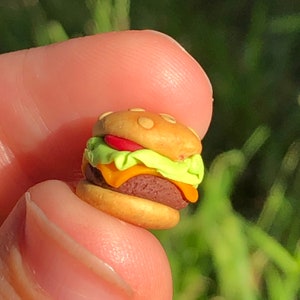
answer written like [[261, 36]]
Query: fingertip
[[55, 92], [134, 253], [115, 71]]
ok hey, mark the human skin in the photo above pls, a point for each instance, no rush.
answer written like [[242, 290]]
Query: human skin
[[52, 244]]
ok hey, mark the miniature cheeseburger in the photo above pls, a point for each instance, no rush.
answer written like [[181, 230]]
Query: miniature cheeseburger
[[141, 167]]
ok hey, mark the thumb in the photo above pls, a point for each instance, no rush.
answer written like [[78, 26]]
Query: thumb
[[54, 246]]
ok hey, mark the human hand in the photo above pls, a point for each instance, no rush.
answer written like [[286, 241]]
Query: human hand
[[53, 245]]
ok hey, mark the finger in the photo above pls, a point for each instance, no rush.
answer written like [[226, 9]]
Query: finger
[[54, 245], [52, 95]]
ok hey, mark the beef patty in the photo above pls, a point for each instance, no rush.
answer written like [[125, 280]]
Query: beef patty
[[149, 187]]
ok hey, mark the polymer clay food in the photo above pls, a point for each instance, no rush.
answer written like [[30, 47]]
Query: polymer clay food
[[141, 167]]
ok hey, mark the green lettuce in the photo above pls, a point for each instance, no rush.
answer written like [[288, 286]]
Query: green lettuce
[[190, 170]]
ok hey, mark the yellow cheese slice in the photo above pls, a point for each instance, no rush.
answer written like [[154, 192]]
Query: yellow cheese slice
[[116, 178]]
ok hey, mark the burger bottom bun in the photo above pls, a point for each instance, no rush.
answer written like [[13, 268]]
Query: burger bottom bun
[[138, 211]]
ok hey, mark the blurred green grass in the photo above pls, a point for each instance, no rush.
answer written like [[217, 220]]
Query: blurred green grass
[[242, 240]]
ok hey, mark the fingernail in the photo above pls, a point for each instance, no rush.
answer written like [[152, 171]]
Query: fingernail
[[64, 268], [170, 39]]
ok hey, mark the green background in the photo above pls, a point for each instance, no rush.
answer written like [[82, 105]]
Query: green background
[[242, 240]]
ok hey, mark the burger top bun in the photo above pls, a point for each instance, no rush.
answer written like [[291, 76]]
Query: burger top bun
[[158, 132]]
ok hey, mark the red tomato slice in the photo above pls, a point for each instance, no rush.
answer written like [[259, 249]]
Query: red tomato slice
[[121, 144]]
